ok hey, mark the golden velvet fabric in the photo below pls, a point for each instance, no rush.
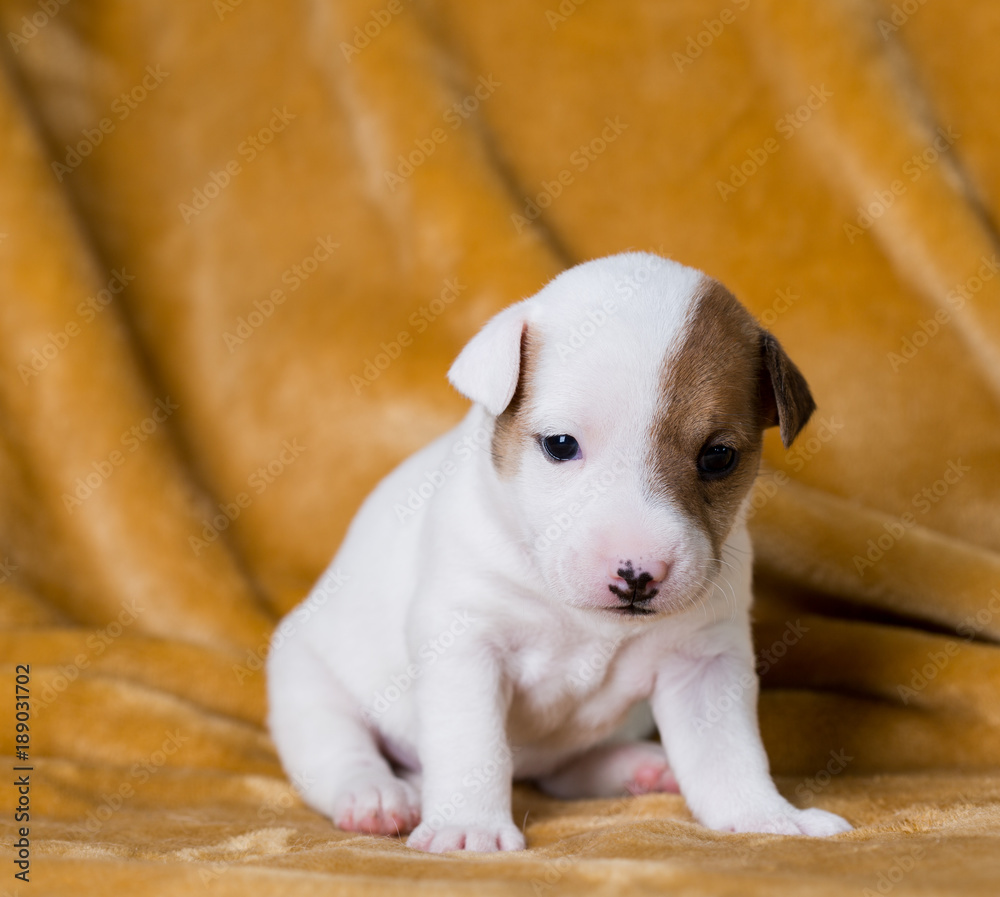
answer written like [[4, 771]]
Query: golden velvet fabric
[[241, 242]]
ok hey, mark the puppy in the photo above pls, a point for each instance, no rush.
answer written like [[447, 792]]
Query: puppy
[[514, 599]]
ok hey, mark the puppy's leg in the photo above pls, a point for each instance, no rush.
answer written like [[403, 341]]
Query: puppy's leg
[[705, 708], [611, 770], [329, 753], [465, 757]]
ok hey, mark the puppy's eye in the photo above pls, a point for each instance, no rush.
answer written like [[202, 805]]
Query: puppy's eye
[[560, 448], [717, 461]]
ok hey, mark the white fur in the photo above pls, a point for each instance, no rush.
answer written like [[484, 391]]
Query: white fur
[[462, 633]]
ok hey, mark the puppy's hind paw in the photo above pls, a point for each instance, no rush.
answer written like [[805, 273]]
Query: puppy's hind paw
[[652, 774], [376, 803], [610, 770]]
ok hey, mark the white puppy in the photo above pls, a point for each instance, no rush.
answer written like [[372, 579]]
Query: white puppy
[[509, 598]]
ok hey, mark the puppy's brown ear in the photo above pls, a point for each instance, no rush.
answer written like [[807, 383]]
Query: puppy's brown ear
[[487, 369], [785, 398]]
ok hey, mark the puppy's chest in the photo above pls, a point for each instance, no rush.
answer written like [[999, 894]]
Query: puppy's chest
[[574, 681]]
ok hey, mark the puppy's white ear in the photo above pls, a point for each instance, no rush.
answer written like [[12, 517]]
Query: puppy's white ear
[[785, 397], [487, 369]]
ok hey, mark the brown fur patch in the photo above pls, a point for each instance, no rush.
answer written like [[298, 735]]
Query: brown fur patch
[[710, 391], [511, 433]]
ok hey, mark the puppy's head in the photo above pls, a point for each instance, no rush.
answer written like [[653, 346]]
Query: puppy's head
[[630, 396]]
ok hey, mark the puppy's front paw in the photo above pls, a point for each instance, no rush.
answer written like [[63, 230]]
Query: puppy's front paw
[[784, 819], [819, 823], [376, 803], [482, 838]]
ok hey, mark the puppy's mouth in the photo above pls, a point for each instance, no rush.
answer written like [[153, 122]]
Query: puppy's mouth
[[637, 595], [632, 610]]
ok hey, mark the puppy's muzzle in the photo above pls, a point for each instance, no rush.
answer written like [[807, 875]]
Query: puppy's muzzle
[[636, 587]]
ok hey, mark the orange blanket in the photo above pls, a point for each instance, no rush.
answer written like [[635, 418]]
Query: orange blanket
[[241, 242]]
